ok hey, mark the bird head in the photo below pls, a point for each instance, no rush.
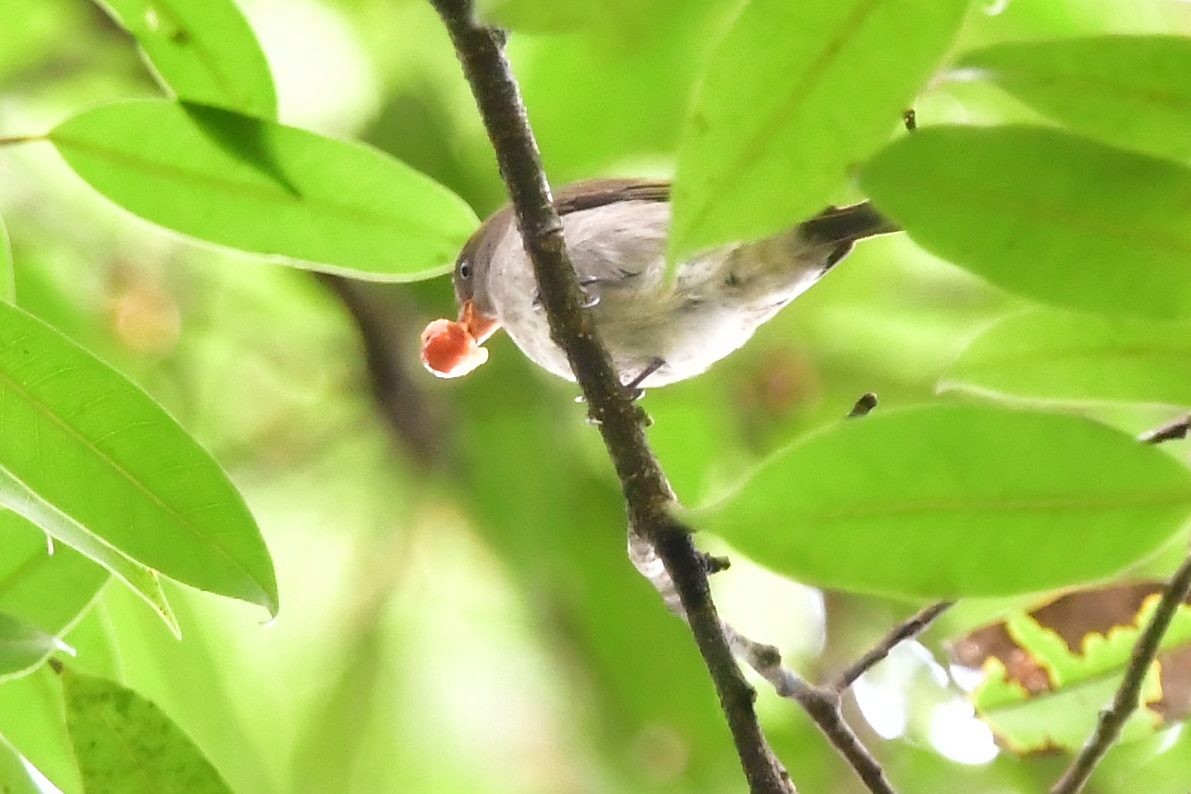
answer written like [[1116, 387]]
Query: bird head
[[452, 348]]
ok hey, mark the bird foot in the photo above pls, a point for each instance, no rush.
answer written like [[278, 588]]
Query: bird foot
[[633, 387]]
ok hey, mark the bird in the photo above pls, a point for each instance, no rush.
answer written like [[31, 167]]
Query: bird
[[658, 330]]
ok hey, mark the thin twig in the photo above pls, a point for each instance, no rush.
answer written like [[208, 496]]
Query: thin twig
[[1171, 431], [16, 140], [821, 703], [911, 627], [1128, 696], [647, 493]]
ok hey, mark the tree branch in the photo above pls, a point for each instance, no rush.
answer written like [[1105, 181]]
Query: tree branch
[[1128, 696], [821, 703], [647, 493]]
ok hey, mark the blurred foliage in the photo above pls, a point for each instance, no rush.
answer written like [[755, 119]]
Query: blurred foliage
[[464, 618]]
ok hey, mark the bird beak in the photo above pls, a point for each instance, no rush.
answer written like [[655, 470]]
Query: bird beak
[[452, 349], [479, 326]]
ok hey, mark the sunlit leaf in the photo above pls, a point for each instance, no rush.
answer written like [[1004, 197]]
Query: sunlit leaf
[[957, 500], [125, 743], [14, 778], [1078, 358], [47, 587], [22, 645], [7, 282], [33, 721], [635, 90], [267, 188], [1051, 216], [1130, 91], [1049, 671], [221, 708], [28, 506], [79, 441], [203, 50], [795, 95]]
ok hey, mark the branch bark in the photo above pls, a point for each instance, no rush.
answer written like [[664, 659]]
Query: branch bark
[[821, 703], [646, 490]]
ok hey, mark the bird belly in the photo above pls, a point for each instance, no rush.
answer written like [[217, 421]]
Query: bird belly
[[689, 338]]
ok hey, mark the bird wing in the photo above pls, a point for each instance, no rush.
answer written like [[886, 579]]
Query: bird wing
[[593, 193], [633, 211]]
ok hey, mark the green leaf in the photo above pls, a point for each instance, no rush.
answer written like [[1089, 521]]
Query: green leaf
[[22, 646], [28, 506], [32, 720], [219, 706], [50, 590], [1072, 358], [1048, 215], [82, 445], [203, 50], [266, 188], [1050, 670], [8, 288], [1130, 91], [795, 95], [14, 779], [957, 500], [127, 744]]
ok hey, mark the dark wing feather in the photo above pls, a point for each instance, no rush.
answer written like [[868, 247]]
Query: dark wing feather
[[593, 193], [847, 224], [577, 196]]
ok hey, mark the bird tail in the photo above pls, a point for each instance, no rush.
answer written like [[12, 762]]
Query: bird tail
[[847, 224]]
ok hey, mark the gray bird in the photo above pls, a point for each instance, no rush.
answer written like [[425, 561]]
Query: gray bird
[[658, 332]]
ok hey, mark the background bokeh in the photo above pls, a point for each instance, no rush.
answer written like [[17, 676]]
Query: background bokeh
[[458, 610]]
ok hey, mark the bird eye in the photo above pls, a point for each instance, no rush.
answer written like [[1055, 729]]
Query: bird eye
[[464, 270]]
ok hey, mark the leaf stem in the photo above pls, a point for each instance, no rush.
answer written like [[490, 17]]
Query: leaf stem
[[16, 140]]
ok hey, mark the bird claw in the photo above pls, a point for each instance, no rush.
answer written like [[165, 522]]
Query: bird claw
[[633, 387], [634, 392]]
